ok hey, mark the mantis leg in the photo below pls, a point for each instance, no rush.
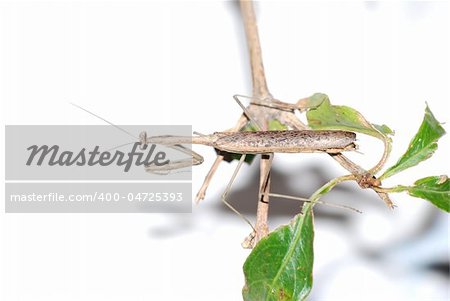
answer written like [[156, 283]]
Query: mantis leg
[[202, 191], [290, 197], [219, 158], [227, 190], [195, 159], [247, 113]]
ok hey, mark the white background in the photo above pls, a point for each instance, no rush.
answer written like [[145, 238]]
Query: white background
[[180, 63]]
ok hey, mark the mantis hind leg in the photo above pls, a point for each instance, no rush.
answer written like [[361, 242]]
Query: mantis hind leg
[[227, 190]]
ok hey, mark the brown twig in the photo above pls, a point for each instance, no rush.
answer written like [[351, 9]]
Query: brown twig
[[260, 91], [262, 111], [363, 177]]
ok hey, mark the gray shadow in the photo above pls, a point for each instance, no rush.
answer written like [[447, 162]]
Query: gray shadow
[[175, 225], [314, 176]]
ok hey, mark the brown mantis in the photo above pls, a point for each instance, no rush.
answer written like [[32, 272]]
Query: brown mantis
[[249, 142], [255, 142], [258, 142]]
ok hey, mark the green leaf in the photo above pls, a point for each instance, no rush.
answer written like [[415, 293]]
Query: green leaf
[[312, 102], [421, 147], [384, 129], [249, 127], [280, 266], [276, 125], [434, 189], [330, 117]]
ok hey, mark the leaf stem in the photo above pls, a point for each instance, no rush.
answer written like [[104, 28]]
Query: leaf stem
[[324, 189], [387, 151], [399, 188]]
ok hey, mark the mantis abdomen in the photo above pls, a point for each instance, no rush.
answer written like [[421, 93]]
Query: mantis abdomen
[[261, 142]]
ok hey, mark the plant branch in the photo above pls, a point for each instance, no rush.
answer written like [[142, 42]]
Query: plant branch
[[260, 89], [387, 151], [264, 108], [260, 92], [324, 189], [399, 188]]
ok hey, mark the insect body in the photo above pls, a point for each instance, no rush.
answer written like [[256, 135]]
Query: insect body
[[262, 142], [251, 142], [258, 142]]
